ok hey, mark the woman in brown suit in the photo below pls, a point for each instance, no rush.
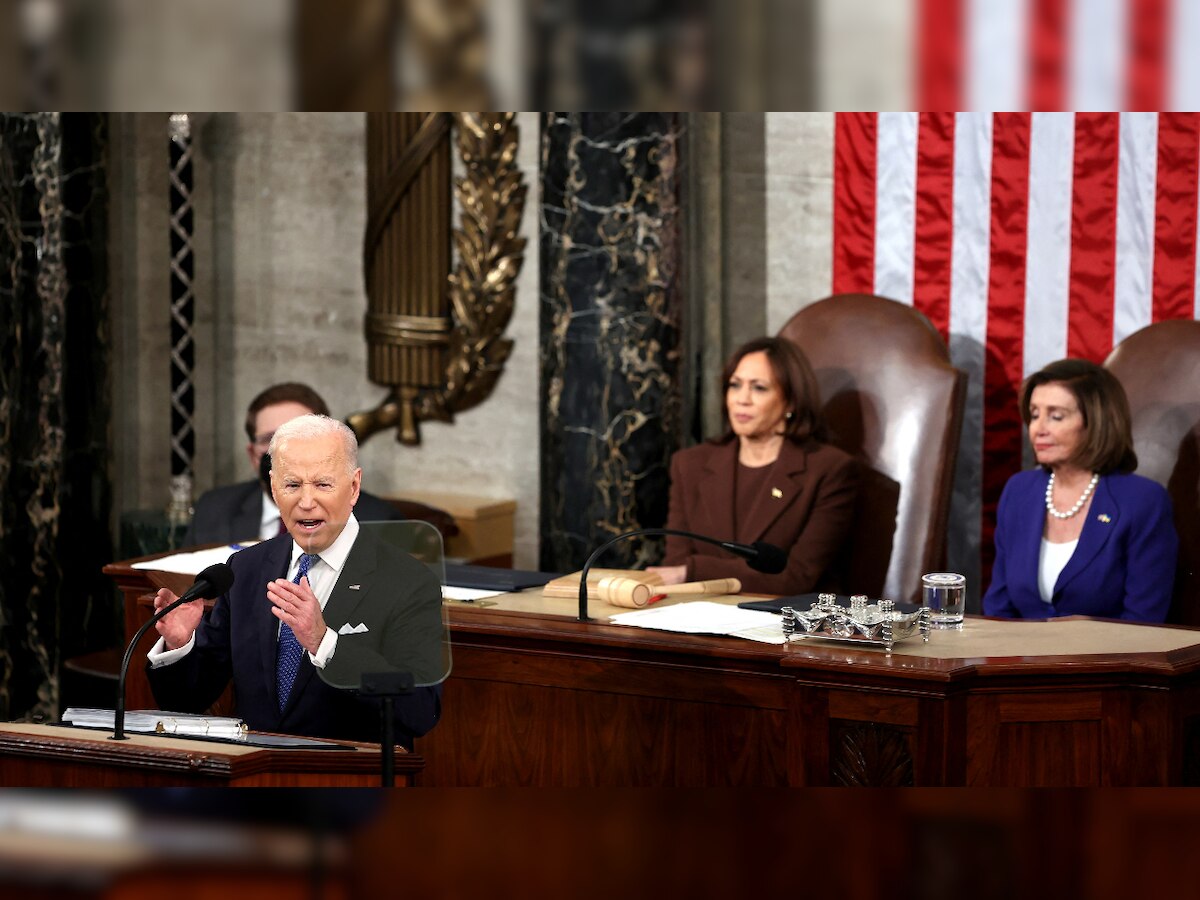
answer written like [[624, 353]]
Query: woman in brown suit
[[768, 478]]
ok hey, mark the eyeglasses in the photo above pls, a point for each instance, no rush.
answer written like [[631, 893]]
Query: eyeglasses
[[263, 441]]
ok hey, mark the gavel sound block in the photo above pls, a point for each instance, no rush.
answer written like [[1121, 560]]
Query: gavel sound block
[[632, 593]]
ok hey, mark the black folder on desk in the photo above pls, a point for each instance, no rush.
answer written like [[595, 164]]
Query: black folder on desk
[[487, 578], [805, 601]]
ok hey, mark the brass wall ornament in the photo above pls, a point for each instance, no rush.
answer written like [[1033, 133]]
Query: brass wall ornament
[[439, 351]]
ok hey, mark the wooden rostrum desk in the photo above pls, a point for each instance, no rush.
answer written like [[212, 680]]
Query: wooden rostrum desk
[[537, 698]]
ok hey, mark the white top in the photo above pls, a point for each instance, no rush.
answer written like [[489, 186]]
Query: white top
[[1052, 559]]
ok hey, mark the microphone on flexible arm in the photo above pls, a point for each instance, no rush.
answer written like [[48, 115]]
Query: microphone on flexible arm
[[209, 584], [760, 556]]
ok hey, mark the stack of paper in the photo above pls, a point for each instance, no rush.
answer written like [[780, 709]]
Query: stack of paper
[[706, 617], [159, 722], [193, 562]]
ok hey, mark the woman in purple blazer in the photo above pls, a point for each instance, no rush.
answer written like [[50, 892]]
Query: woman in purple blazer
[[1081, 534], [768, 478]]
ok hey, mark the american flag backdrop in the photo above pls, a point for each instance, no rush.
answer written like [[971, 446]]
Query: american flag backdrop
[[1025, 238], [1055, 54]]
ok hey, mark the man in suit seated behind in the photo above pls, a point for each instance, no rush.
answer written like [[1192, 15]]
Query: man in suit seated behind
[[245, 510], [326, 594]]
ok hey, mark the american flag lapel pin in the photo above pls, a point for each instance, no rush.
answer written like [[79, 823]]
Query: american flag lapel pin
[[354, 587]]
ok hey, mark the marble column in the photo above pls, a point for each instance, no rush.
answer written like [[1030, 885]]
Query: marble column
[[54, 405], [609, 332]]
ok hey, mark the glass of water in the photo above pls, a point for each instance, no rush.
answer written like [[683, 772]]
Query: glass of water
[[945, 593]]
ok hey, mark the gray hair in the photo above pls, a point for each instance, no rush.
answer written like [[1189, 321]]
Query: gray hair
[[314, 426]]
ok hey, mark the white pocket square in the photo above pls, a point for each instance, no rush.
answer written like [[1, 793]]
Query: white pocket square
[[360, 628]]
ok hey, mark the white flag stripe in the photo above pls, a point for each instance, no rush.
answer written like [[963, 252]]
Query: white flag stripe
[[972, 225], [968, 328], [996, 54], [1183, 62], [895, 205], [1048, 255], [1134, 289], [1096, 54]]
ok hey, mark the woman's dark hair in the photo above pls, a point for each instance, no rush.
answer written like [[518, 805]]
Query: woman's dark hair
[[1108, 433], [794, 375]]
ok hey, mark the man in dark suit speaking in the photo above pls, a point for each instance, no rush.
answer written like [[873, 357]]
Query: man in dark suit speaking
[[245, 510], [326, 594]]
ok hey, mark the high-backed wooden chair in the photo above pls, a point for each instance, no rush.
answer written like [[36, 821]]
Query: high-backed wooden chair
[[1159, 368], [892, 400]]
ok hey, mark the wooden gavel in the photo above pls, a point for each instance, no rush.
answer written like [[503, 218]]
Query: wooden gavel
[[622, 591]]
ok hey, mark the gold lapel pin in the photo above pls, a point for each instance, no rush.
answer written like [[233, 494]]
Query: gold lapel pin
[[777, 493], [1104, 517]]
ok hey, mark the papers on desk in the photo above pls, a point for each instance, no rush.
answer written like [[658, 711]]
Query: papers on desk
[[467, 595], [153, 721], [706, 617], [193, 562]]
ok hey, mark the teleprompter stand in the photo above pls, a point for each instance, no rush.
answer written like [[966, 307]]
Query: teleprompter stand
[[386, 687]]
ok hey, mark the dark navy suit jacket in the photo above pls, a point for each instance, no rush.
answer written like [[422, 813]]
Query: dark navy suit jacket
[[396, 597], [1123, 566]]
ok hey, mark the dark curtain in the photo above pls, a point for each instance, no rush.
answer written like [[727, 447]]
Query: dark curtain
[[55, 496]]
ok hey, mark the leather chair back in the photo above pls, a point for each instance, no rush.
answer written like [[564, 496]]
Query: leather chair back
[[892, 400], [1159, 367]]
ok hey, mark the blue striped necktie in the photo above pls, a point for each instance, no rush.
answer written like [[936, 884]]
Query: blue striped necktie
[[290, 651]]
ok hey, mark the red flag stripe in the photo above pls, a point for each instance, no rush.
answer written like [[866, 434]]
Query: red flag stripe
[[1093, 236], [1006, 316], [854, 160], [934, 219], [1175, 215], [1146, 74], [939, 55], [1047, 85]]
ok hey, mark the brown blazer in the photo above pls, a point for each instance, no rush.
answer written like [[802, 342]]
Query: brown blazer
[[810, 522]]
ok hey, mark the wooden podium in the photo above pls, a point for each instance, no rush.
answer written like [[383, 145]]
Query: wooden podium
[[57, 756], [53, 756]]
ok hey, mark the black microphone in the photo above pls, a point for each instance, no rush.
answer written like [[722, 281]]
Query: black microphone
[[212, 582], [760, 556]]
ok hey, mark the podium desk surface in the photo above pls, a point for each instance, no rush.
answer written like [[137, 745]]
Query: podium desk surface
[[34, 755], [980, 638]]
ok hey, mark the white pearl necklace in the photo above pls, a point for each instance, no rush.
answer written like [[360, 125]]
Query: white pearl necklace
[[1087, 492]]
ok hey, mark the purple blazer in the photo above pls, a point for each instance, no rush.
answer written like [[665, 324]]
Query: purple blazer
[[1123, 566]]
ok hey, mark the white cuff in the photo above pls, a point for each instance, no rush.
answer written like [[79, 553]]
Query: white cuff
[[325, 650], [159, 655]]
